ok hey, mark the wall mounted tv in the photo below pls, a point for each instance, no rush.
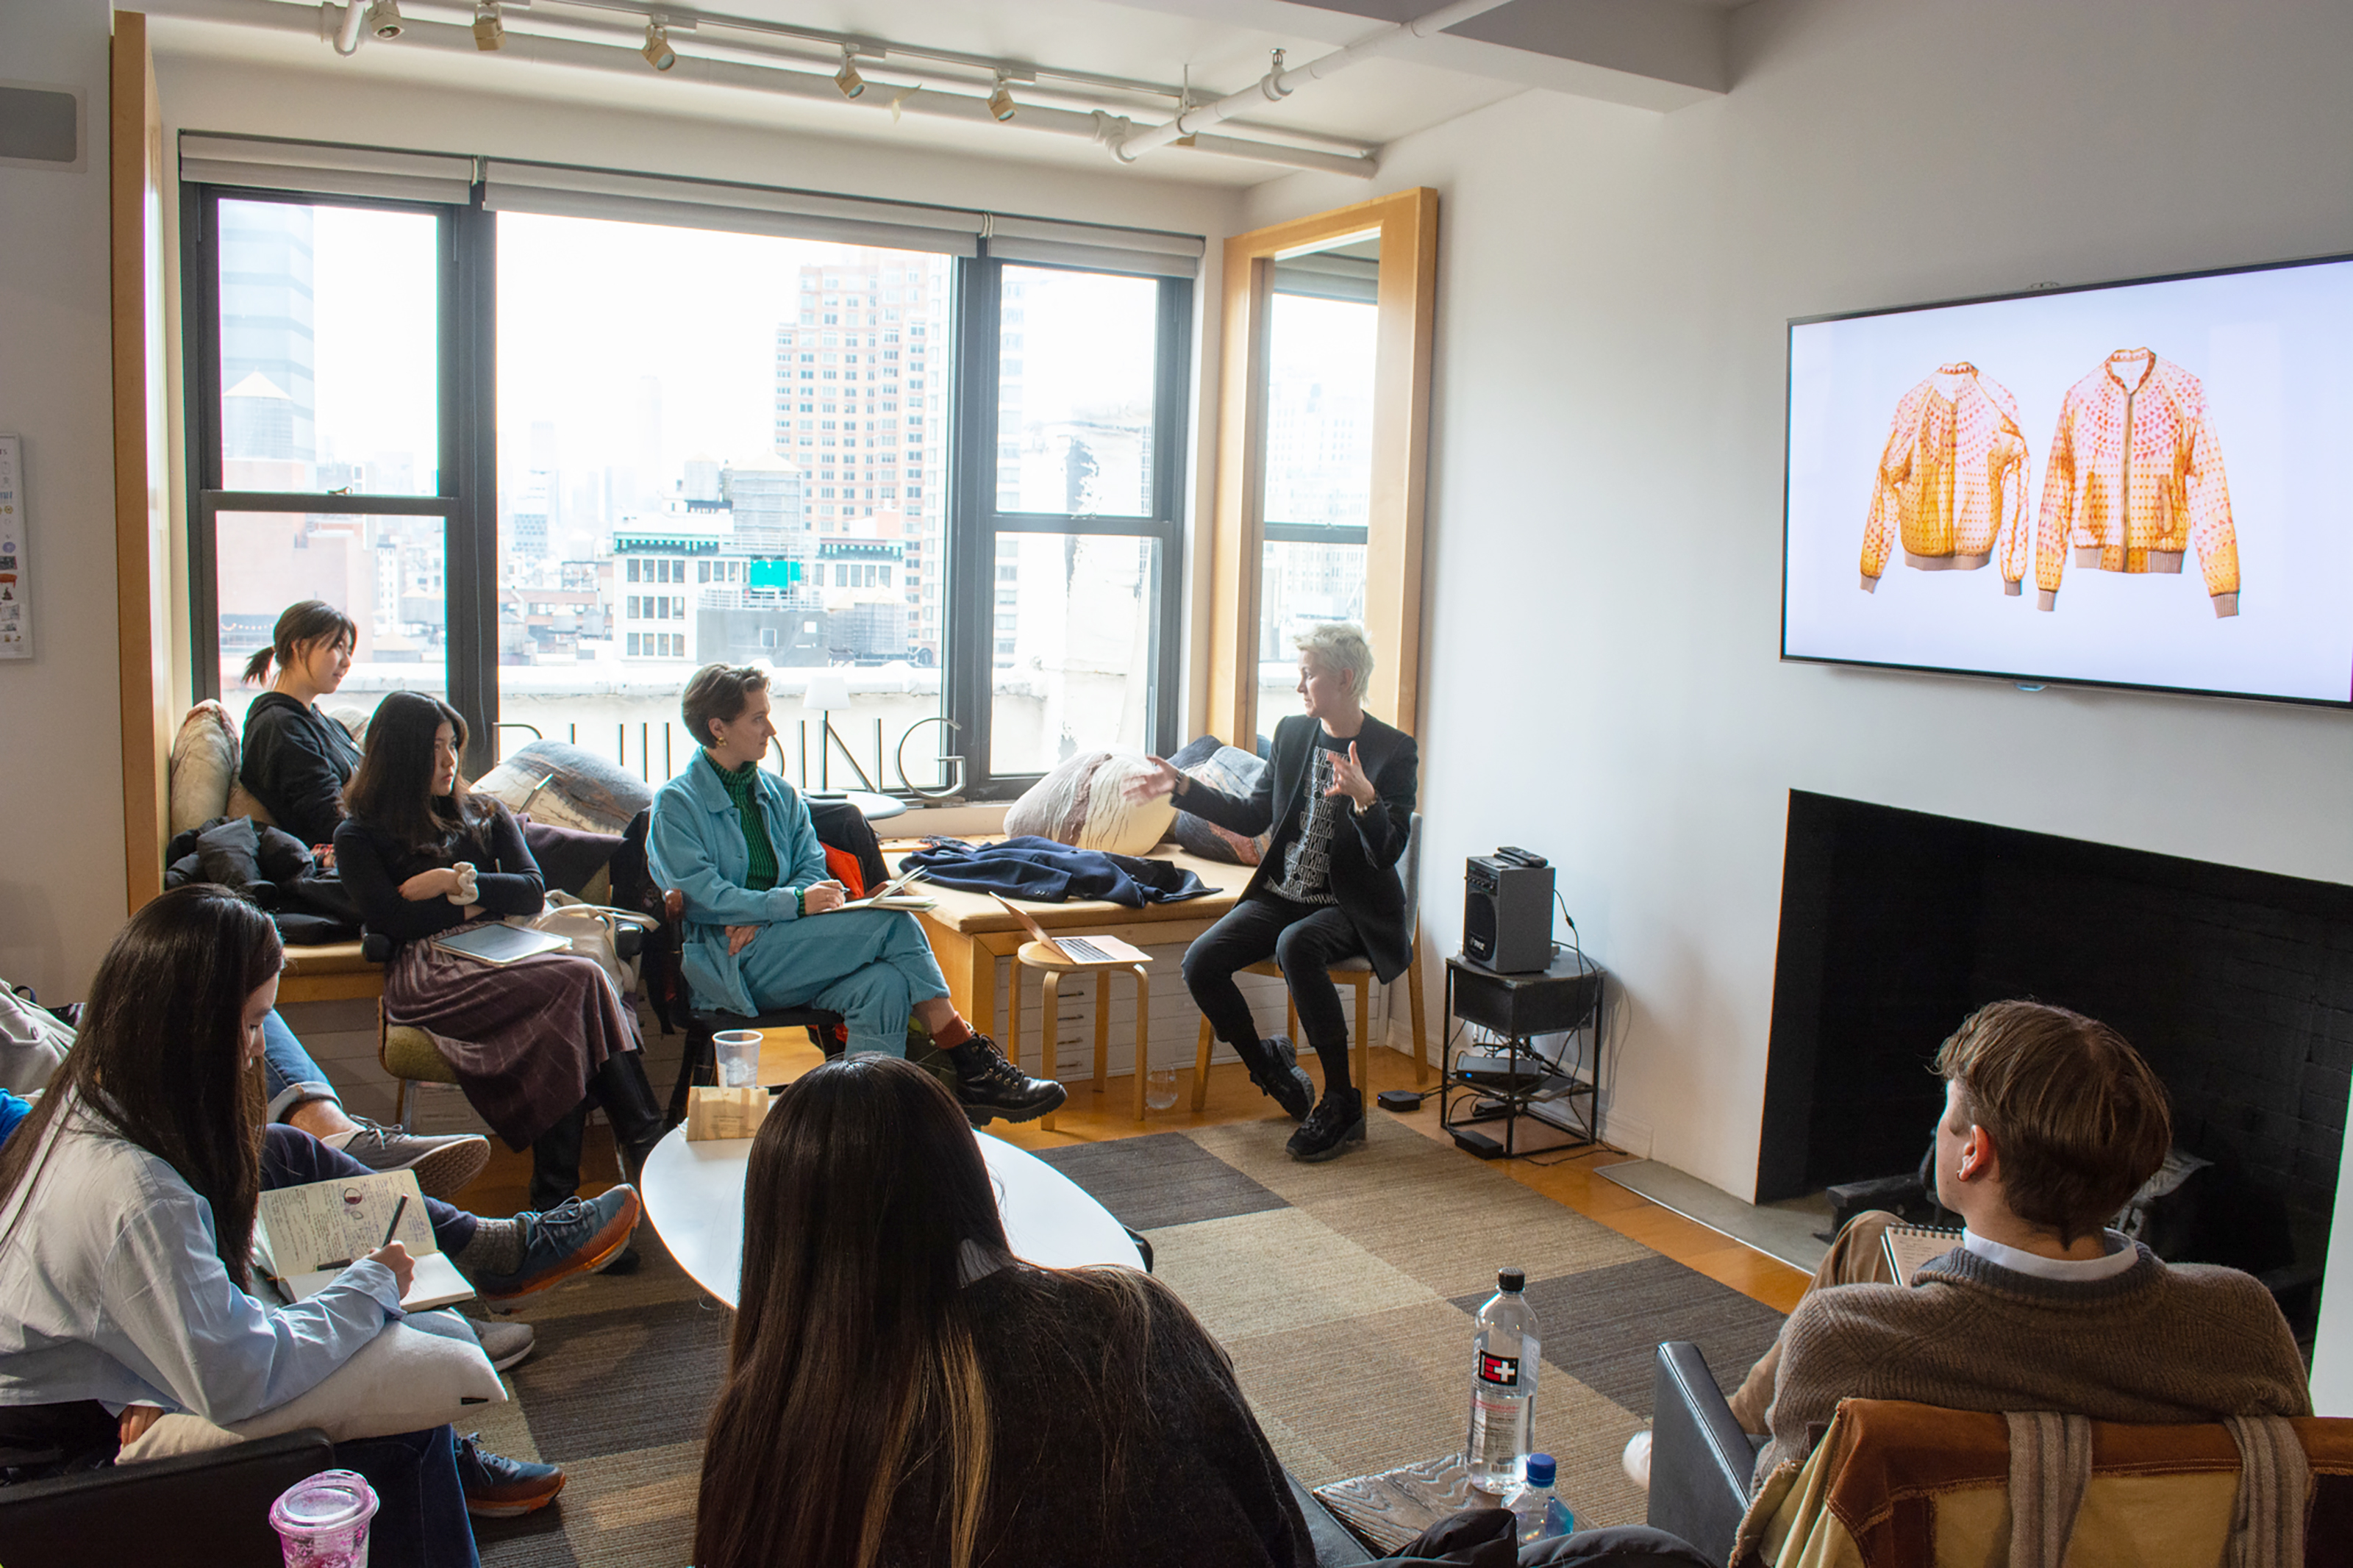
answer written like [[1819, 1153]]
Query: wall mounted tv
[[2144, 484]]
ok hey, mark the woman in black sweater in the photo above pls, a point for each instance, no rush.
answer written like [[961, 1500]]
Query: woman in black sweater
[[296, 759], [533, 1043], [903, 1392]]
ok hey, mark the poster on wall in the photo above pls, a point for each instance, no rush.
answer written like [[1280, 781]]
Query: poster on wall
[[2137, 484], [16, 606]]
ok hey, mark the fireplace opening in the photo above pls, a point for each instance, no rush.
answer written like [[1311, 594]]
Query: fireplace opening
[[2237, 985]]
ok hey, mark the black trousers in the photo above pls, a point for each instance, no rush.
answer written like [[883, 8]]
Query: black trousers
[[1305, 940]]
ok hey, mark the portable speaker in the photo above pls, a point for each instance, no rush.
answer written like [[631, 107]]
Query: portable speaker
[[1507, 914]]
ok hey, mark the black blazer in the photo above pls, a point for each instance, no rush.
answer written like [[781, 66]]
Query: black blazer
[[1363, 862]]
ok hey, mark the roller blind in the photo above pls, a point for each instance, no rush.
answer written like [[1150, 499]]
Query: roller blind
[[563, 191], [1150, 251], [1327, 276], [325, 170]]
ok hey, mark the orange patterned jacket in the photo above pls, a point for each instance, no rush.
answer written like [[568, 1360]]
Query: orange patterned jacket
[[2136, 477], [1952, 479]]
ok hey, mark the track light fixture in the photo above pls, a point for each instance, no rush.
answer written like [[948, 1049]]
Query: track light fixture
[[1000, 102], [847, 77], [384, 19], [490, 28], [657, 50]]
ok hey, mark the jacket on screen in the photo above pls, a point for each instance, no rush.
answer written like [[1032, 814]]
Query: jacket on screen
[[1951, 485], [2135, 478]]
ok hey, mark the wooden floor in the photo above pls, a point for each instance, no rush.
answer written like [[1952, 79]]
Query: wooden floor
[[1088, 1118]]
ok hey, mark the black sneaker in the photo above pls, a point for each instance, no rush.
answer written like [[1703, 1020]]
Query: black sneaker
[[500, 1488], [1337, 1123], [990, 1087], [1274, 1065]]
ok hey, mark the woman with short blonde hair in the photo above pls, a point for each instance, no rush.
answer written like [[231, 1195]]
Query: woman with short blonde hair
[[1339, 794]]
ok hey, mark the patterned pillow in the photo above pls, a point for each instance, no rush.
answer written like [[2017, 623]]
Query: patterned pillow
[[1231, 771], [1083, 803]]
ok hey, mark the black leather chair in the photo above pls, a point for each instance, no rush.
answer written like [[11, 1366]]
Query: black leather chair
[[1700, 1458], [197, 1510], [1335, 1547], [699, 1063]]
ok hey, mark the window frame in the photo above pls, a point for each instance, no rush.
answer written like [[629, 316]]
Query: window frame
[[467, 460], [974, 522]]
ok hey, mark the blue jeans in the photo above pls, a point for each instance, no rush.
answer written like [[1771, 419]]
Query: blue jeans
[[292, 1076], [420, 1519]]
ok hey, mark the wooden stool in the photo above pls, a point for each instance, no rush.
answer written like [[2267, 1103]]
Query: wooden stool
[[1037, 955]]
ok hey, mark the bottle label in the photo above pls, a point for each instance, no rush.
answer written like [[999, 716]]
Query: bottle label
[[1502, 1370]]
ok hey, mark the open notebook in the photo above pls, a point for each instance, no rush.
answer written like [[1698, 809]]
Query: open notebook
[[1908, 1246], [303, 1236], [894, 895]]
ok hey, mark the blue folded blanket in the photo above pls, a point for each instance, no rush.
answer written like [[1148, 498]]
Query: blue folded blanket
[[1049, 873]]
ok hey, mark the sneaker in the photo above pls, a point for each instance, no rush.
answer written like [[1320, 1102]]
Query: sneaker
[[500, 1488], [506, 1344], [443, 1166], [1337, 1123], [991, 1087], [1274, 1064], [1636, 1459], [578, 1235]]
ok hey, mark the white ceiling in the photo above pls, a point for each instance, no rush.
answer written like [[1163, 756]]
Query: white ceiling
[[1658, 54]]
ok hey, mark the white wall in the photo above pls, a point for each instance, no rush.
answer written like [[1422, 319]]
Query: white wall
[[1606, 490], [61, 893]]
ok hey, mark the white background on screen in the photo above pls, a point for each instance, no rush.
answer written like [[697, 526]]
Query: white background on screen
[[2273, 349]]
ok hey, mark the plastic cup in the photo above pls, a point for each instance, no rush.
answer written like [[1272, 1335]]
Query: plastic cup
[[323, 1522], [1160, 1088], [738, 1051]]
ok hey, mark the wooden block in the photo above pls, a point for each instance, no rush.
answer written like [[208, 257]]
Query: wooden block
[[720, 1113]]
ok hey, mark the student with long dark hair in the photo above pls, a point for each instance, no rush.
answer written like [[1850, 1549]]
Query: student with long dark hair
[[296, 759], [127, 1205], [535, 1043], [902, 1391]]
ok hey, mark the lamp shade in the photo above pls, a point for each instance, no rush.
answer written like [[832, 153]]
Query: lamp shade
[[826, 689]]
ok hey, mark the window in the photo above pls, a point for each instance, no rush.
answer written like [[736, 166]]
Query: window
[[512, 528], [1077, 516]]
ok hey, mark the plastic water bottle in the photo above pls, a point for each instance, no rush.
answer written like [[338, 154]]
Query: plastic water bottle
[[1504, 1349], [1541, 1515]]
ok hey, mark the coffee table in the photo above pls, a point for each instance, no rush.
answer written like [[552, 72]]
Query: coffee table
[[694, 1196]]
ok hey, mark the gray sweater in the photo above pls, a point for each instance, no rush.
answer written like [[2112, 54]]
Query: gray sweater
[[2158, 1343]]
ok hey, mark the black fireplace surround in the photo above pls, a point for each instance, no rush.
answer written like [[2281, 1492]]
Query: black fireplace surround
[[2237, 985]]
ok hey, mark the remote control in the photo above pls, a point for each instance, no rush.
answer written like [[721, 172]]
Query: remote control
[[1520, 857]]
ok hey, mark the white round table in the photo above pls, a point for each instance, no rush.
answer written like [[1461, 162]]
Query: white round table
[[694, 1195]]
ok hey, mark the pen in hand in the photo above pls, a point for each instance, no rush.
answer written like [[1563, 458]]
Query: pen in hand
[[393, 1229]]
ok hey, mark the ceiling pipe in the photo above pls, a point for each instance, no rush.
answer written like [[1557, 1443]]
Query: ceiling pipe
[[621, 59], [347, 31], [1278, 84]]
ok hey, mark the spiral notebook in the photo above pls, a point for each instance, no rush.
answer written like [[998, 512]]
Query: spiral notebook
[[1909, 1247]]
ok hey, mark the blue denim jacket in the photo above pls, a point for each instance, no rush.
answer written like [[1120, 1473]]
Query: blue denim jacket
[[696, 846]]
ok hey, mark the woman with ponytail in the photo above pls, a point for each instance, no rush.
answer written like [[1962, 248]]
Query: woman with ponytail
[[296, 758], [903, 1391]]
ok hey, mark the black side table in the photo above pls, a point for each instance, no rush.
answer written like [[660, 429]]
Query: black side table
[[1507, 1080]]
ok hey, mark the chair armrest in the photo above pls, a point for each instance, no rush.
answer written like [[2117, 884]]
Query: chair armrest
[[194, 1511], [1334, 1546], [375, 947], [1700, 1458]]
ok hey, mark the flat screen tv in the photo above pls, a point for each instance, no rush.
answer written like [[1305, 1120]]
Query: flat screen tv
[[2144, 484]]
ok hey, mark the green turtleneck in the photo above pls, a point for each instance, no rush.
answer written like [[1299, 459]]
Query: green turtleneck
[[742, 788]]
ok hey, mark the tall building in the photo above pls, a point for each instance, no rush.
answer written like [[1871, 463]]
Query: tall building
[[862, 402], [269, 348]]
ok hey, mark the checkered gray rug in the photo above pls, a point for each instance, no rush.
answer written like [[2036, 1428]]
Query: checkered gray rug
[[1344, 1291]]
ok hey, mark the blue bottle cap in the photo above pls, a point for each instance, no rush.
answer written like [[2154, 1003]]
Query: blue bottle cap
[[1541, 1469]]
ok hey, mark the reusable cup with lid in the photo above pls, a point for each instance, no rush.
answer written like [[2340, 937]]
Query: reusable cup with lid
[[738, 1051], [323, 1522]]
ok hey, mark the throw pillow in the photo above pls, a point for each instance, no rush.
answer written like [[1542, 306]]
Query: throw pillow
[[1084, 803], [423, 1371], [1229, 770], [204, 765]]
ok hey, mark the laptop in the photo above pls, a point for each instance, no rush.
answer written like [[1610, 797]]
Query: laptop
[[1098, 948]]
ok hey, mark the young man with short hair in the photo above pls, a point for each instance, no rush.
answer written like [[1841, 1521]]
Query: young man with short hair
[[2052, 1122]]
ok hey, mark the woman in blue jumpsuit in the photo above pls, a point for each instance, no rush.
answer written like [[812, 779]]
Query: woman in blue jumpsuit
[[764, 927]]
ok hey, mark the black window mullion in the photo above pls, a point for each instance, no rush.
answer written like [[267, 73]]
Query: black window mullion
[[200, 353], [971, 598], [469, 362], [1169, 399]]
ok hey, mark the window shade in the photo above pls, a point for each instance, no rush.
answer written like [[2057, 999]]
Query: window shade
[[325, 170], [563, 191], [1149, 251], [1329, 276]]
